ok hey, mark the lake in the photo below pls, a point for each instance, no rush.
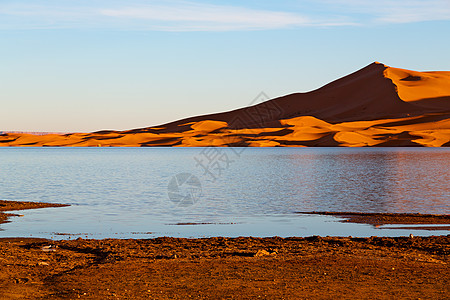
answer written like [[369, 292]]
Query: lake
[[203, 192]]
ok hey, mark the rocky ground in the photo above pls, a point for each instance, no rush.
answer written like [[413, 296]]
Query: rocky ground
[[226, 268]]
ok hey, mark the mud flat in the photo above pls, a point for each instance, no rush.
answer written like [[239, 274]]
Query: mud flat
[[20, 205], [226, 268], [379, 219]]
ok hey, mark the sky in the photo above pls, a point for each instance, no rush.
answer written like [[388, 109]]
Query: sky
[[88, 65]]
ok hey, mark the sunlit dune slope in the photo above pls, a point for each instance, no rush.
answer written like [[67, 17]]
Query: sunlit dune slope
[[424, 89], [375, 106]]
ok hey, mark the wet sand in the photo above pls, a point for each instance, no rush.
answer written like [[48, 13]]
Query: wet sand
[[378, 219], [20, 205], [226, 268]]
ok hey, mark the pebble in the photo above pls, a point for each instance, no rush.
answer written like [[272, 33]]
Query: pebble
[[49, 248], [262, 253]]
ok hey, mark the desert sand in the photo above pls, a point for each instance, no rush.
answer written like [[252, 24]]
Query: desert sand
[[375, 106], [226, 268]]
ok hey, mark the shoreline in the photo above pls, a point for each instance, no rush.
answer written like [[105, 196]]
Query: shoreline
[[219, 267], [377, 219], [6, 205]]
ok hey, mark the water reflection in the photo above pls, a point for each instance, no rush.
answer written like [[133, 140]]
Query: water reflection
[[127, 187], [368, 180]]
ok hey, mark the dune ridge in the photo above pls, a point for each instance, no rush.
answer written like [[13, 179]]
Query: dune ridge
[[375, 106]]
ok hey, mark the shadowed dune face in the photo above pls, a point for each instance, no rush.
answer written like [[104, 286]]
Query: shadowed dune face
[[375, 106]]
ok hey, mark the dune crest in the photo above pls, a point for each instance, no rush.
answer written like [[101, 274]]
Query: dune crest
[[416, 86], [375, 106]]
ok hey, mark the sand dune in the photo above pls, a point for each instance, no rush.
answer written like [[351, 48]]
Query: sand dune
[[375, 106]]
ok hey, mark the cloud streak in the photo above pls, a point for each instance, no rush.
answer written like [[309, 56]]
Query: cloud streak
[[175, 16], [196, 16], [210, 14], [393, 11]]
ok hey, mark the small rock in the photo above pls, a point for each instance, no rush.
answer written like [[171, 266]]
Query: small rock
[[262, 253], [49, 248], [22, 280], [42, 263], [411, 236]]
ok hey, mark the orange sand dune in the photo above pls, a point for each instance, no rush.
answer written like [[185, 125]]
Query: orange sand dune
[[375, 106], [417, 86]]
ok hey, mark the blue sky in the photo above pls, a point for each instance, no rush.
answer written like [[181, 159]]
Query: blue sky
[[107, 64]]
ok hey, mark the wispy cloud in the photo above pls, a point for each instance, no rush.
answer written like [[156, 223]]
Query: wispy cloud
[[196, 16], [188, 16], [151, 15], [174, 16], [392, 11], [415, 11]]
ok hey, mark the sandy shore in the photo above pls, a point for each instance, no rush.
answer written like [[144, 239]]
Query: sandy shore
[[226, 268]]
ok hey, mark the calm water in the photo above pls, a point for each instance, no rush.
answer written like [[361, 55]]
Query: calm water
[[138, 192]]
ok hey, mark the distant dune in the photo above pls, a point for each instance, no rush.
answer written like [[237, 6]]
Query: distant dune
[[31, 132], [375, 106]]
